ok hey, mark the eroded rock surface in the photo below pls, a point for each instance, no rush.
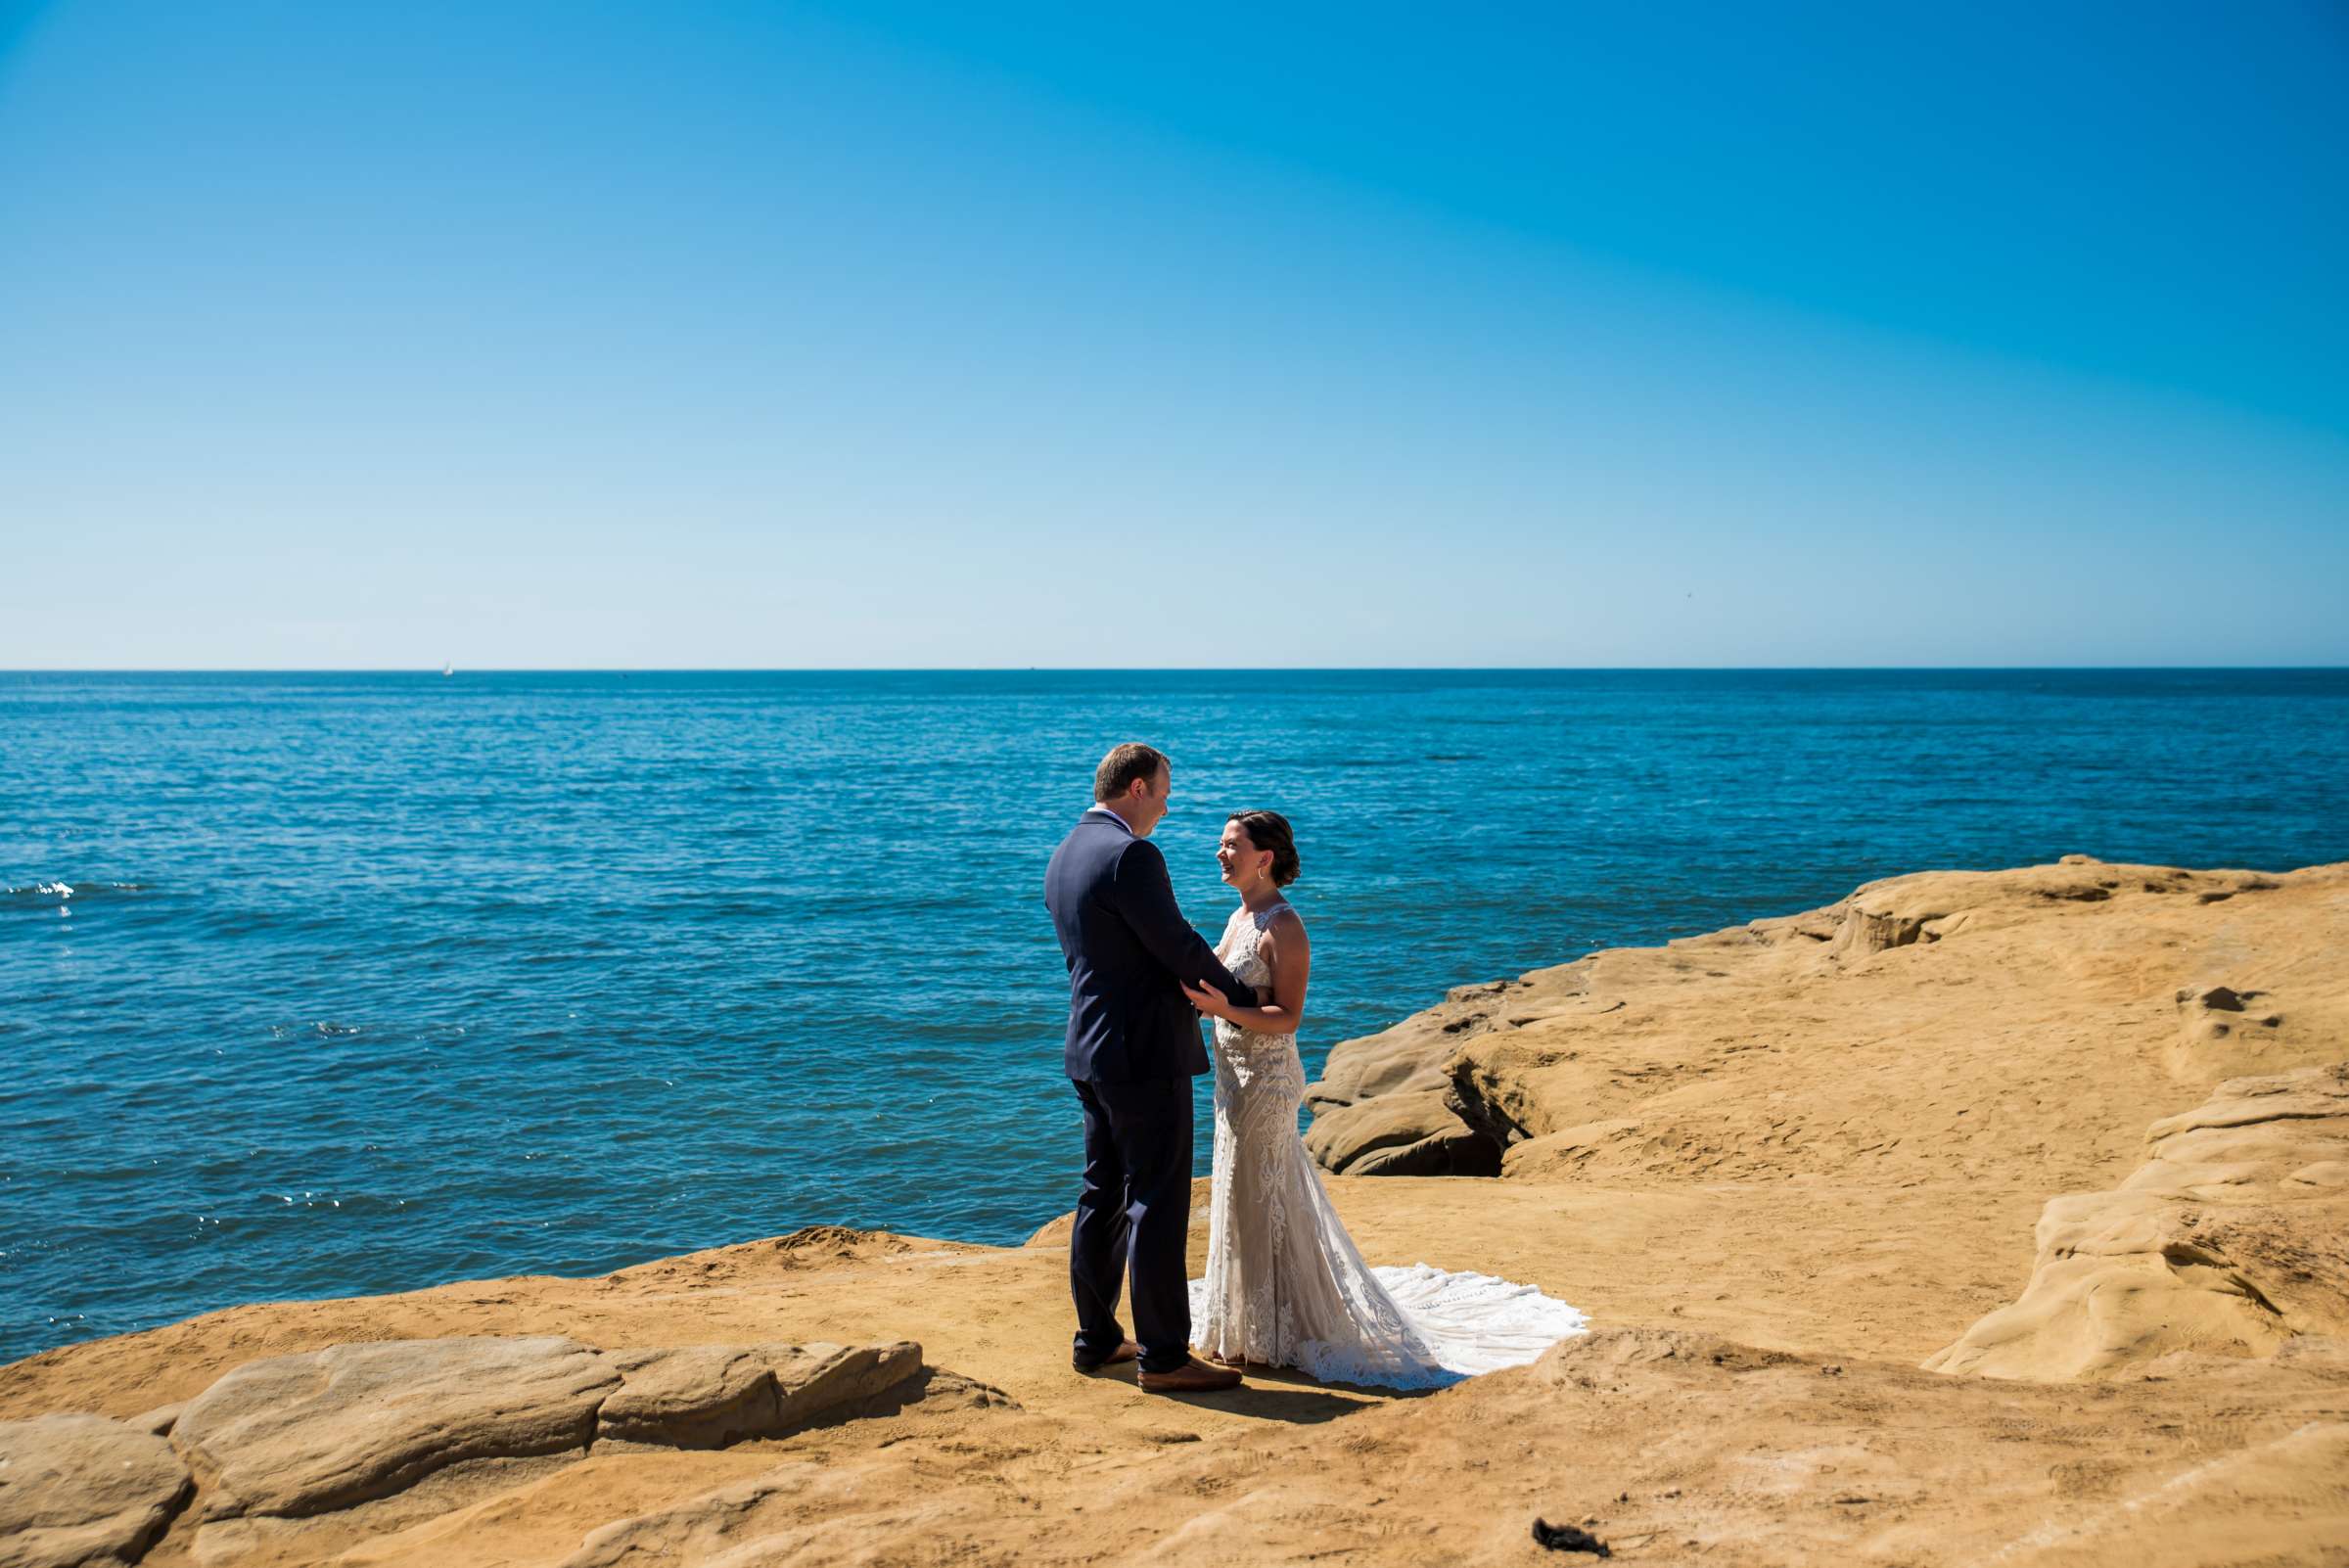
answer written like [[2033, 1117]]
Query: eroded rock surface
[[297, 1435], [2231, 1239], [296, 1456], [1674, 1446], [1949, 1025], [1417, 1134], [699, 1529], [707, 1396], [83, 1490], [2226, 1032]]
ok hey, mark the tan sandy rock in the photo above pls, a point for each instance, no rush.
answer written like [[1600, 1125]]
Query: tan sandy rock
[[2225, 1033], [83, 1490], [1677, 1447], [2231, 1239], [379, 1438], [252, 1541], [1668, 1444], [1946, 1026], [295, 1435], [1564, 1152], [1406, 1058], [709, 1528], [160, 1419], [1411, 1133], [1387, 1105], [707, 1396]]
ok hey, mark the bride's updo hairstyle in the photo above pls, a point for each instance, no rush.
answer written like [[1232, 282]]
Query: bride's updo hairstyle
[[1270, 830]]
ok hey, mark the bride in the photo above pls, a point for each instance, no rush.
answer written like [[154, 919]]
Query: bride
[[1286, 1286]]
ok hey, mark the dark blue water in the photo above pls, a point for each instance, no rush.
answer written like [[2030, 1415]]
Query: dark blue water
[[367, 981]]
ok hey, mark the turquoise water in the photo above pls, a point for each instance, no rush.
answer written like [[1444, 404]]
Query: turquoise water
[[367, 981]]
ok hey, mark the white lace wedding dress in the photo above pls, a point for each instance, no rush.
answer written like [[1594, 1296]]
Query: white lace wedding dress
[[1285, 1284]]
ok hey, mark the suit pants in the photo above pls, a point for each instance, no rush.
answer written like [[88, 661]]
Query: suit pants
[[1135, 1215]]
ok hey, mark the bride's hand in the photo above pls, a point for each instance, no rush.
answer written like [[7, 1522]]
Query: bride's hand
[[1207, 999]]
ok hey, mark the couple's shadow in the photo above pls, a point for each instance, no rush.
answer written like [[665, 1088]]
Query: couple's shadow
[[1292, 1397]]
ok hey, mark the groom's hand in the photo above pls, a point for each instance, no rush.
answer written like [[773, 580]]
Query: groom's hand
[[1205, 998]]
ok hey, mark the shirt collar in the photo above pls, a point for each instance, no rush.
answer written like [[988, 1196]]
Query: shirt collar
[[1103, 811]]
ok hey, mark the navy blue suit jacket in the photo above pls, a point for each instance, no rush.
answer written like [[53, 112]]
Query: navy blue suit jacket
[[1127, 944]]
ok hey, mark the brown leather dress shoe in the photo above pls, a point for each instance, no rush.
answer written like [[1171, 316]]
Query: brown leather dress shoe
[[1126, 1351], [1193, 1376]]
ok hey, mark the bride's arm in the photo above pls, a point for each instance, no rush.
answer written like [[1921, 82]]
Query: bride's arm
[[1290, 957]]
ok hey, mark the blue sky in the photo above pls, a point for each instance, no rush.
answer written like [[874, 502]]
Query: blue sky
[[772, 335]]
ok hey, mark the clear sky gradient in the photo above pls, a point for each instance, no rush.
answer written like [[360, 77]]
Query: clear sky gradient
[[772, 335]]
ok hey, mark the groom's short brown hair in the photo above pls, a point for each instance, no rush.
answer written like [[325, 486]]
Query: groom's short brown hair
[[1123, 766]]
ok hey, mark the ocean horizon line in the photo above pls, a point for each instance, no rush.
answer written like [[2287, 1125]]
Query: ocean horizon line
[[1171, 670]]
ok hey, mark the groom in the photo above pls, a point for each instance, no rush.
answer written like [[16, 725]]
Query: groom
[[1132, 1051]]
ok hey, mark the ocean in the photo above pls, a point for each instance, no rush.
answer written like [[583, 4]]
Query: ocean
[[314, 985]]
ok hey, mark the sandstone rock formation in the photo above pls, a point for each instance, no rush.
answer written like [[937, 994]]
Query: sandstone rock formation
[[1404, 1133], [1927, 1026], [2225, 1033], [1384, 1106], [83, 1490], [297, 1435], [2233, 1239], [1671, 1446], [707, 1396], [714, 1525], [280, 1441]]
